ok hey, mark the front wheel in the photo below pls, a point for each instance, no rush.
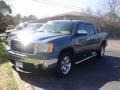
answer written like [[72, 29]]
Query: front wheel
[[101, 51], [64, 64]]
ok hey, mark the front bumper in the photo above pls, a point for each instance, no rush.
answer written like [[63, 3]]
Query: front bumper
[[27, 59]]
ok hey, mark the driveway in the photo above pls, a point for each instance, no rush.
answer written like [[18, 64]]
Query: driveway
[[89, 75]]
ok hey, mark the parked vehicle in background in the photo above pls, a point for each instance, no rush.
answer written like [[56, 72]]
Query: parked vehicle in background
[[58, 44], [18, 27], [10, 27], [22, 28]]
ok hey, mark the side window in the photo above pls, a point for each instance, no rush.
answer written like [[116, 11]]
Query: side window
[[90, 29], [81, 27]]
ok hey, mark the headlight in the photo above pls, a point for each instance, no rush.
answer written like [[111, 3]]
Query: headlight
[[47, 48]]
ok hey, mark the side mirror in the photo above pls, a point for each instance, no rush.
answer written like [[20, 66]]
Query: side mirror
[[82, 32]]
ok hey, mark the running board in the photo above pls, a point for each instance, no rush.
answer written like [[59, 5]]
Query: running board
[[85, 59]]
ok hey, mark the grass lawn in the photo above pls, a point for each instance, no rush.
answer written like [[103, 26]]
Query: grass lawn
[[7, 81]]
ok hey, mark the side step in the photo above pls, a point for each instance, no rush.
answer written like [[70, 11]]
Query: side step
[[85, 59]]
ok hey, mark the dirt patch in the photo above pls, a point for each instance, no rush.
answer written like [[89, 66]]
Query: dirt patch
[[7, 81], [3, 78]]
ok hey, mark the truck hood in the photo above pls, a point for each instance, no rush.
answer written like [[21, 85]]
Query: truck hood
[[37, 36], [44, 36]]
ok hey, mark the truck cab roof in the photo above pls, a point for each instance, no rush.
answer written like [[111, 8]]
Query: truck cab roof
[[73, 21]]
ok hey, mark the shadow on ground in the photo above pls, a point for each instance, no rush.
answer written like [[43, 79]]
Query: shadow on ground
[[90, 75]]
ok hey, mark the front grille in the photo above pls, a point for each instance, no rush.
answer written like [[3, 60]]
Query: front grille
[[19, 47]]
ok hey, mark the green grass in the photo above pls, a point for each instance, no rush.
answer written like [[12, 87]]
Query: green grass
[[4, 62]]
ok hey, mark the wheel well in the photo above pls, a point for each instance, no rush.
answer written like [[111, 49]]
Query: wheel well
[[70, 50], [104, 43]]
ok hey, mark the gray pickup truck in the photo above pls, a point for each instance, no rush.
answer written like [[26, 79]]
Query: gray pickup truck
[[58, 44]]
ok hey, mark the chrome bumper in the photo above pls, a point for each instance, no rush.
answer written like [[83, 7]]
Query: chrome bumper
[[51, 63]]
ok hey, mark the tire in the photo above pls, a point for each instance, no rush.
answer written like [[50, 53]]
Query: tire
[[101, 51], [65, 64]]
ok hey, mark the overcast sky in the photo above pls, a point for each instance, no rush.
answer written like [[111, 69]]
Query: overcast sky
[[42, 8]]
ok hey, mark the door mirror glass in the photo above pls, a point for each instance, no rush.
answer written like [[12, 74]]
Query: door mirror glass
[[82, 32]]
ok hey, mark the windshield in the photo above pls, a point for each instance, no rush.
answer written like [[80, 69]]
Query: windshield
[[33, 26], [58, 27]]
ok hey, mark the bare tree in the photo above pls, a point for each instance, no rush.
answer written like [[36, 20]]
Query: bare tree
[[114, 5], [110, 10]]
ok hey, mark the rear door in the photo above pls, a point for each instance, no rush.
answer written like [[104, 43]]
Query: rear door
[[92, 38], [80, 42]]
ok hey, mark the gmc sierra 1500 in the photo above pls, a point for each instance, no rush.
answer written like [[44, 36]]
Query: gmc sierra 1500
[[57, 44]]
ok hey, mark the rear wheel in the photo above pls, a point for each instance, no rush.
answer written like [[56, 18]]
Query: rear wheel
[[101, 51], [64, 64]]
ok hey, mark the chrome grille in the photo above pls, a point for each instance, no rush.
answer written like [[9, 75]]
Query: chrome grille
[[18, 46]]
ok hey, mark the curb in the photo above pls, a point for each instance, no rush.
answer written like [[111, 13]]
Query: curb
[[22, 85], [18, 80]]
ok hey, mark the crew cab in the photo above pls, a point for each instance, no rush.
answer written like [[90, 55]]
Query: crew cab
[[58, 44]]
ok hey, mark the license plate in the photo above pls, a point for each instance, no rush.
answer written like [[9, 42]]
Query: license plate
[[19, 64]]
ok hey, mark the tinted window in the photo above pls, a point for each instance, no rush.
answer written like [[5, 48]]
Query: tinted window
[[81, 27], [90, 29]]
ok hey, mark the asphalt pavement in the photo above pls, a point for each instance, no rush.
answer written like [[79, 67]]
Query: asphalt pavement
[[90, 75]]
